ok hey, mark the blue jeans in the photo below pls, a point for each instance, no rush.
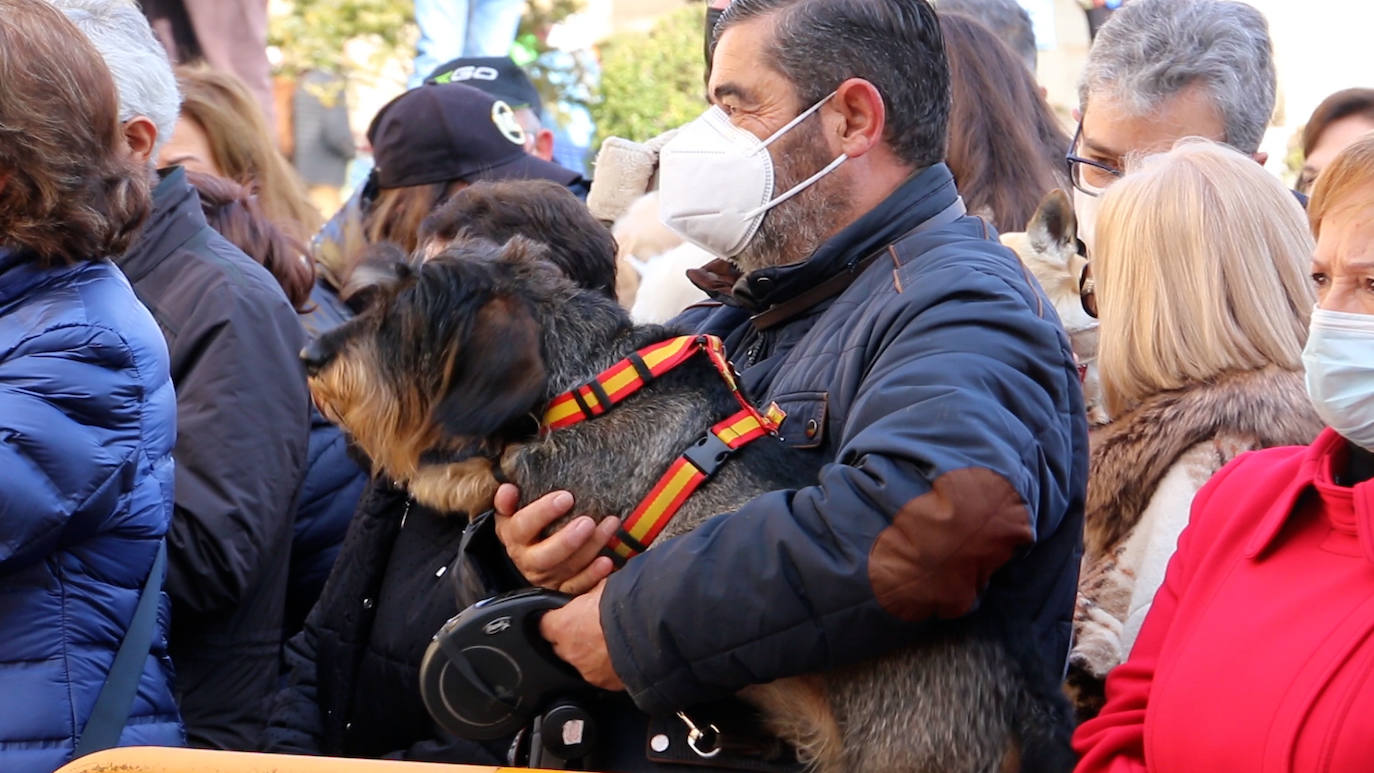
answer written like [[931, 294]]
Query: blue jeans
[[450, 29]]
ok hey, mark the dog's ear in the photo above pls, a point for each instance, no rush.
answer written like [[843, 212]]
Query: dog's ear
[[1053, 229], [381, 267], [522, 249], [497, 380]]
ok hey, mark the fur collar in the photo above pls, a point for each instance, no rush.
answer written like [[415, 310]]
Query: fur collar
[[1132, 454]]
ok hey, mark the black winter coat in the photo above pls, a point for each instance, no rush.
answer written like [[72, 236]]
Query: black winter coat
[[242, 422], [332, 487], [353, 672]]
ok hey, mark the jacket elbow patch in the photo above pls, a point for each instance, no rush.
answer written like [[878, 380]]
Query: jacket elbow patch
[[943, 546]]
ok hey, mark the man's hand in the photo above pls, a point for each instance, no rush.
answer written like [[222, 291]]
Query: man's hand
[[576, 635], [567, 560]]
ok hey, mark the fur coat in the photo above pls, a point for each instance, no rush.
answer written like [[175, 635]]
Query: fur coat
[[1145, 467]]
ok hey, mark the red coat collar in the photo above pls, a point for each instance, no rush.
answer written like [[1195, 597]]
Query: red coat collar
[[1317, 465]]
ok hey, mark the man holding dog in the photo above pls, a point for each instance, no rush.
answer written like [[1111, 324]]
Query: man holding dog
[[908, 349]]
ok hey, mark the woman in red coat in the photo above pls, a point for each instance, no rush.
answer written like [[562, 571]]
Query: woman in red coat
[[1258, 652]]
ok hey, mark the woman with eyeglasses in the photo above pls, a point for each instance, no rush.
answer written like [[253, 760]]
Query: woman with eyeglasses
[[1258, 652], [1203, 307]]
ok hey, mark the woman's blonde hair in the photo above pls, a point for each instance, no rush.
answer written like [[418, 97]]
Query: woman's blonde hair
[[1200, 263], [241, 144]]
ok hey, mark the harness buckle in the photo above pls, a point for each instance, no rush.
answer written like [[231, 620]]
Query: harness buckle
[[698, 738], [708, 453]]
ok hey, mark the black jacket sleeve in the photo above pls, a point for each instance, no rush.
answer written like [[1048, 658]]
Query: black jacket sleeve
[[242, 429]]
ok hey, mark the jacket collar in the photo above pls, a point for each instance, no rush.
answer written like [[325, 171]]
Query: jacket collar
[[19, 274], [1132, 454], [921, 197], [175, 220], [1327, 451]]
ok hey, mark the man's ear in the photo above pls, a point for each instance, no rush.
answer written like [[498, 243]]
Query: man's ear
[[141, 134], [864, 117], [543, 144], [1261, 158], [497, 378]]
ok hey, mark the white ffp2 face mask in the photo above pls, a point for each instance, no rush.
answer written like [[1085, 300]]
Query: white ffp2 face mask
[[716, 181], [1339, 358], [1085, 212]]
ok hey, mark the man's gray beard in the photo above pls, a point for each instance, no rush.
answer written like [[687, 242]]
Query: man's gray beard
[[793, 230]]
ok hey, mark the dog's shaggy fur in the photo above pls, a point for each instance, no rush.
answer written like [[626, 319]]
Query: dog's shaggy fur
[[1049, 248], [447, 375]]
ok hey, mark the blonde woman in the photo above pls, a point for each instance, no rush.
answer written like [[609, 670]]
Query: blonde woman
[[1202, 288]]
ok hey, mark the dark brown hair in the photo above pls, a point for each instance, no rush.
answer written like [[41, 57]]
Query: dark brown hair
[[1006, 148], [242, 146], [1346, 183], [540, 210], [1342, 104], [237, 214], [69, 189]]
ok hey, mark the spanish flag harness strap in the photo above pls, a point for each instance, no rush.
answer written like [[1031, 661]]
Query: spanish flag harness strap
[[696, 465]]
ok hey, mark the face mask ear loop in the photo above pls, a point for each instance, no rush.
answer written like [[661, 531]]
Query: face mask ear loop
[[802, 116], [801, 186]]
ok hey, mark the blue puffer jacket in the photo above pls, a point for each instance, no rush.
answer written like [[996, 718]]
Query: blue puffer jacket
[[87, 423]]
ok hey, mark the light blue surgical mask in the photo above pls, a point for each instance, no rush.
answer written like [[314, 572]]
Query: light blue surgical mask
[[1339, 358]]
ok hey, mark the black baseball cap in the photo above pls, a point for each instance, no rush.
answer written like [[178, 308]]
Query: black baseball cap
[[499, 76], [448, 131]]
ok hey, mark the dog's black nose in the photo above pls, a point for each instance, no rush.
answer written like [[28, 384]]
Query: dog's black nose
[[315, 357]]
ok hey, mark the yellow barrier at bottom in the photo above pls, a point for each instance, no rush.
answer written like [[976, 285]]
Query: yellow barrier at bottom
[[159, 759]]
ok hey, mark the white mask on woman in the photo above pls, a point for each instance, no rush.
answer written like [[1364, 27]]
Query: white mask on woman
[[716, 181], [1339, 358]]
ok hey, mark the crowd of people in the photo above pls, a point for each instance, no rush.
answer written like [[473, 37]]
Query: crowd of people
[[1171, 571]]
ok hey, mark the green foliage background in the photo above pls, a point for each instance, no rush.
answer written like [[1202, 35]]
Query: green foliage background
[[652, 83], [648, 83], [312, 33]]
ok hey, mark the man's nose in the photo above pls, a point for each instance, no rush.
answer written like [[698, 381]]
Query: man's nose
[[315, 357]]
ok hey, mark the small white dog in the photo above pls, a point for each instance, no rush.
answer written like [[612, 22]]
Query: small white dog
[[651, 267], [1049, 248]]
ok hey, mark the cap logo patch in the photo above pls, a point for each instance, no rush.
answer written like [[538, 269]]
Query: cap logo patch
[[469, 72], [504, 118]]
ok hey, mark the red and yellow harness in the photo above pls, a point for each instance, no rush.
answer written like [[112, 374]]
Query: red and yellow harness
[[696, 465]]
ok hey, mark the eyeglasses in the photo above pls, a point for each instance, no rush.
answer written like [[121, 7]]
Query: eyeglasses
[[1088, 176]]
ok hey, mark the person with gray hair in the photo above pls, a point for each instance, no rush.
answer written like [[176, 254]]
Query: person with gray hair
[[147, 88], [1006, 18], [1162, 70], [241, 404]]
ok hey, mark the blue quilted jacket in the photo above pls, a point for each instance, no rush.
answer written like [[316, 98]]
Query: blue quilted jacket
[[87, 423]]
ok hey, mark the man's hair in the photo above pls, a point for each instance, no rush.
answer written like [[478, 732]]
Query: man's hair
[[1151, 50], [894, 44], [1201, 269], [138, 62], [1007, 20], [1347, 183], [540, 210], [68, 189]]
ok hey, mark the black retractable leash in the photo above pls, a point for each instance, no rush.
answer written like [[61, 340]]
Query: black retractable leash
[[489, 673]]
